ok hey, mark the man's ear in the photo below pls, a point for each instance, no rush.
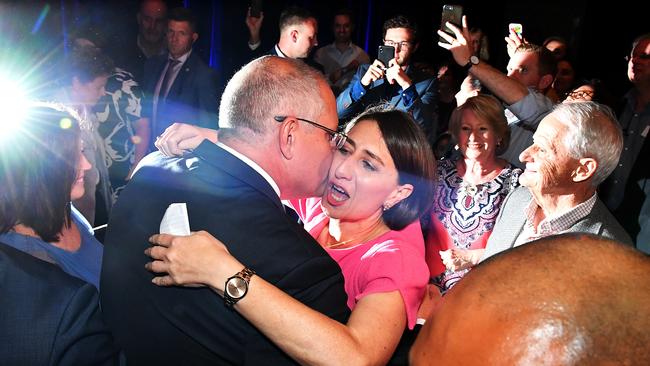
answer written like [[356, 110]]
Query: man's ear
[[195, 36], [415, 47], [288, 138], [294, 35], [545, 82], [585, 170]]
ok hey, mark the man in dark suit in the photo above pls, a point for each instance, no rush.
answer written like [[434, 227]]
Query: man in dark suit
[[232, 190], [575, 148], [180, 86], [399, 83], [49, 317], [298, 35]]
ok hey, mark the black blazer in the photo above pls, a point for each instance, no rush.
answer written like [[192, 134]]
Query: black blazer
[[48, 317], [192, 326], [193, 97]]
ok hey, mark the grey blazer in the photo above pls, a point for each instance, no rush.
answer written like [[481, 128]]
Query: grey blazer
[[511, 220]]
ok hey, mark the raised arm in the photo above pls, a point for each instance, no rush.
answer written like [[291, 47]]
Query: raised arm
[[181, 137], [503, 87], [370, 336]]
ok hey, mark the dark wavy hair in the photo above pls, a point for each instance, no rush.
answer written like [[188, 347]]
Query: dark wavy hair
[[410, 151], [401, 21], [37, 169]]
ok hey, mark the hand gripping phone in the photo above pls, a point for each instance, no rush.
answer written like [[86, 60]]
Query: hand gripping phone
[[385, 54], [452, 14], [516, 28]]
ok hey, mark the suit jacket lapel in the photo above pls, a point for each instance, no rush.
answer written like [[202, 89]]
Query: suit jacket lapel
[[224, 161], [187, 67]]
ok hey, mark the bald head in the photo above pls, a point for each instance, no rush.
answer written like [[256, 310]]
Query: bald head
[[270, 86], [563, 300]]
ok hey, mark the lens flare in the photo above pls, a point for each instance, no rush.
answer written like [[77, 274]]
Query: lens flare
[[65, 123], [13, 106]]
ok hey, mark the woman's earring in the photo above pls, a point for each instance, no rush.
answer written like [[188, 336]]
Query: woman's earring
[[456, 147]]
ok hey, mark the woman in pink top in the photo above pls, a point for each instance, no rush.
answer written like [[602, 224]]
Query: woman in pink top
[[367, 220]]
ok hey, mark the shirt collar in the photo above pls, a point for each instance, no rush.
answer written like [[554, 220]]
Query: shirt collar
[[253, 165], [279, 51], [561, 222], [183, 58]]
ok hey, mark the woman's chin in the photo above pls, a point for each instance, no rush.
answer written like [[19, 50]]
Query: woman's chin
[[77, 192]]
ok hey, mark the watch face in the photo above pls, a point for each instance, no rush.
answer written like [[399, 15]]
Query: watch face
[[236, 287], [474, 60]]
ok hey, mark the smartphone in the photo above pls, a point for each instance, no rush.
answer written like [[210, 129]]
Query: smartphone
[[516, 28], [452, 14], [385, 54], [256, 8]]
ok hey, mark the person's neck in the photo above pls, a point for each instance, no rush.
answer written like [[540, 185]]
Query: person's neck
[[257, 149], [285, 48], [643, 95], [342, 45], [69, 237], [345, 234], [479, 171], [150, 49], [553, 205]]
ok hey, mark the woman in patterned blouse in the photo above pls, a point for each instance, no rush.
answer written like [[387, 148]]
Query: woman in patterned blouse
[[469, 190]]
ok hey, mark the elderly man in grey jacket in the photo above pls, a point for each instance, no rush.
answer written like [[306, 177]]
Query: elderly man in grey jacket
[[575, 148]]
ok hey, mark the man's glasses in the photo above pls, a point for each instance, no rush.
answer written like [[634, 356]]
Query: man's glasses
[[580, 94], [403, 44], [337, 139]]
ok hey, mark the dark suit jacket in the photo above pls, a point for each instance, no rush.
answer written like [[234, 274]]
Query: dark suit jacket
[[424, 109], [511, 220], [48, 317], [192, 326], [193, 97]]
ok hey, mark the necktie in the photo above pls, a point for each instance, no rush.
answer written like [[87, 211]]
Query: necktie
[[166, 83]]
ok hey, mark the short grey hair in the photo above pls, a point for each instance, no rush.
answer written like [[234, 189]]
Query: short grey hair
[[593, 132], [266, 87]]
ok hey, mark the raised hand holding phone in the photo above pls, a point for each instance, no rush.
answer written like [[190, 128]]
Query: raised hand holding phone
[[458, 44], [516, 28], [515, 37], [452, 14]]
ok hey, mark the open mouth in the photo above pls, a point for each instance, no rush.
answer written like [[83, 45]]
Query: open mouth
[[337, 195]]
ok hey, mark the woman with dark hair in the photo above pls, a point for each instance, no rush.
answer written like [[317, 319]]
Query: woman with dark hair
[[380, 183], [469, 190], [42, 170]]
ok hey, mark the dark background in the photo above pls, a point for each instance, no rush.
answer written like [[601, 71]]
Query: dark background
[[600, 34]]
